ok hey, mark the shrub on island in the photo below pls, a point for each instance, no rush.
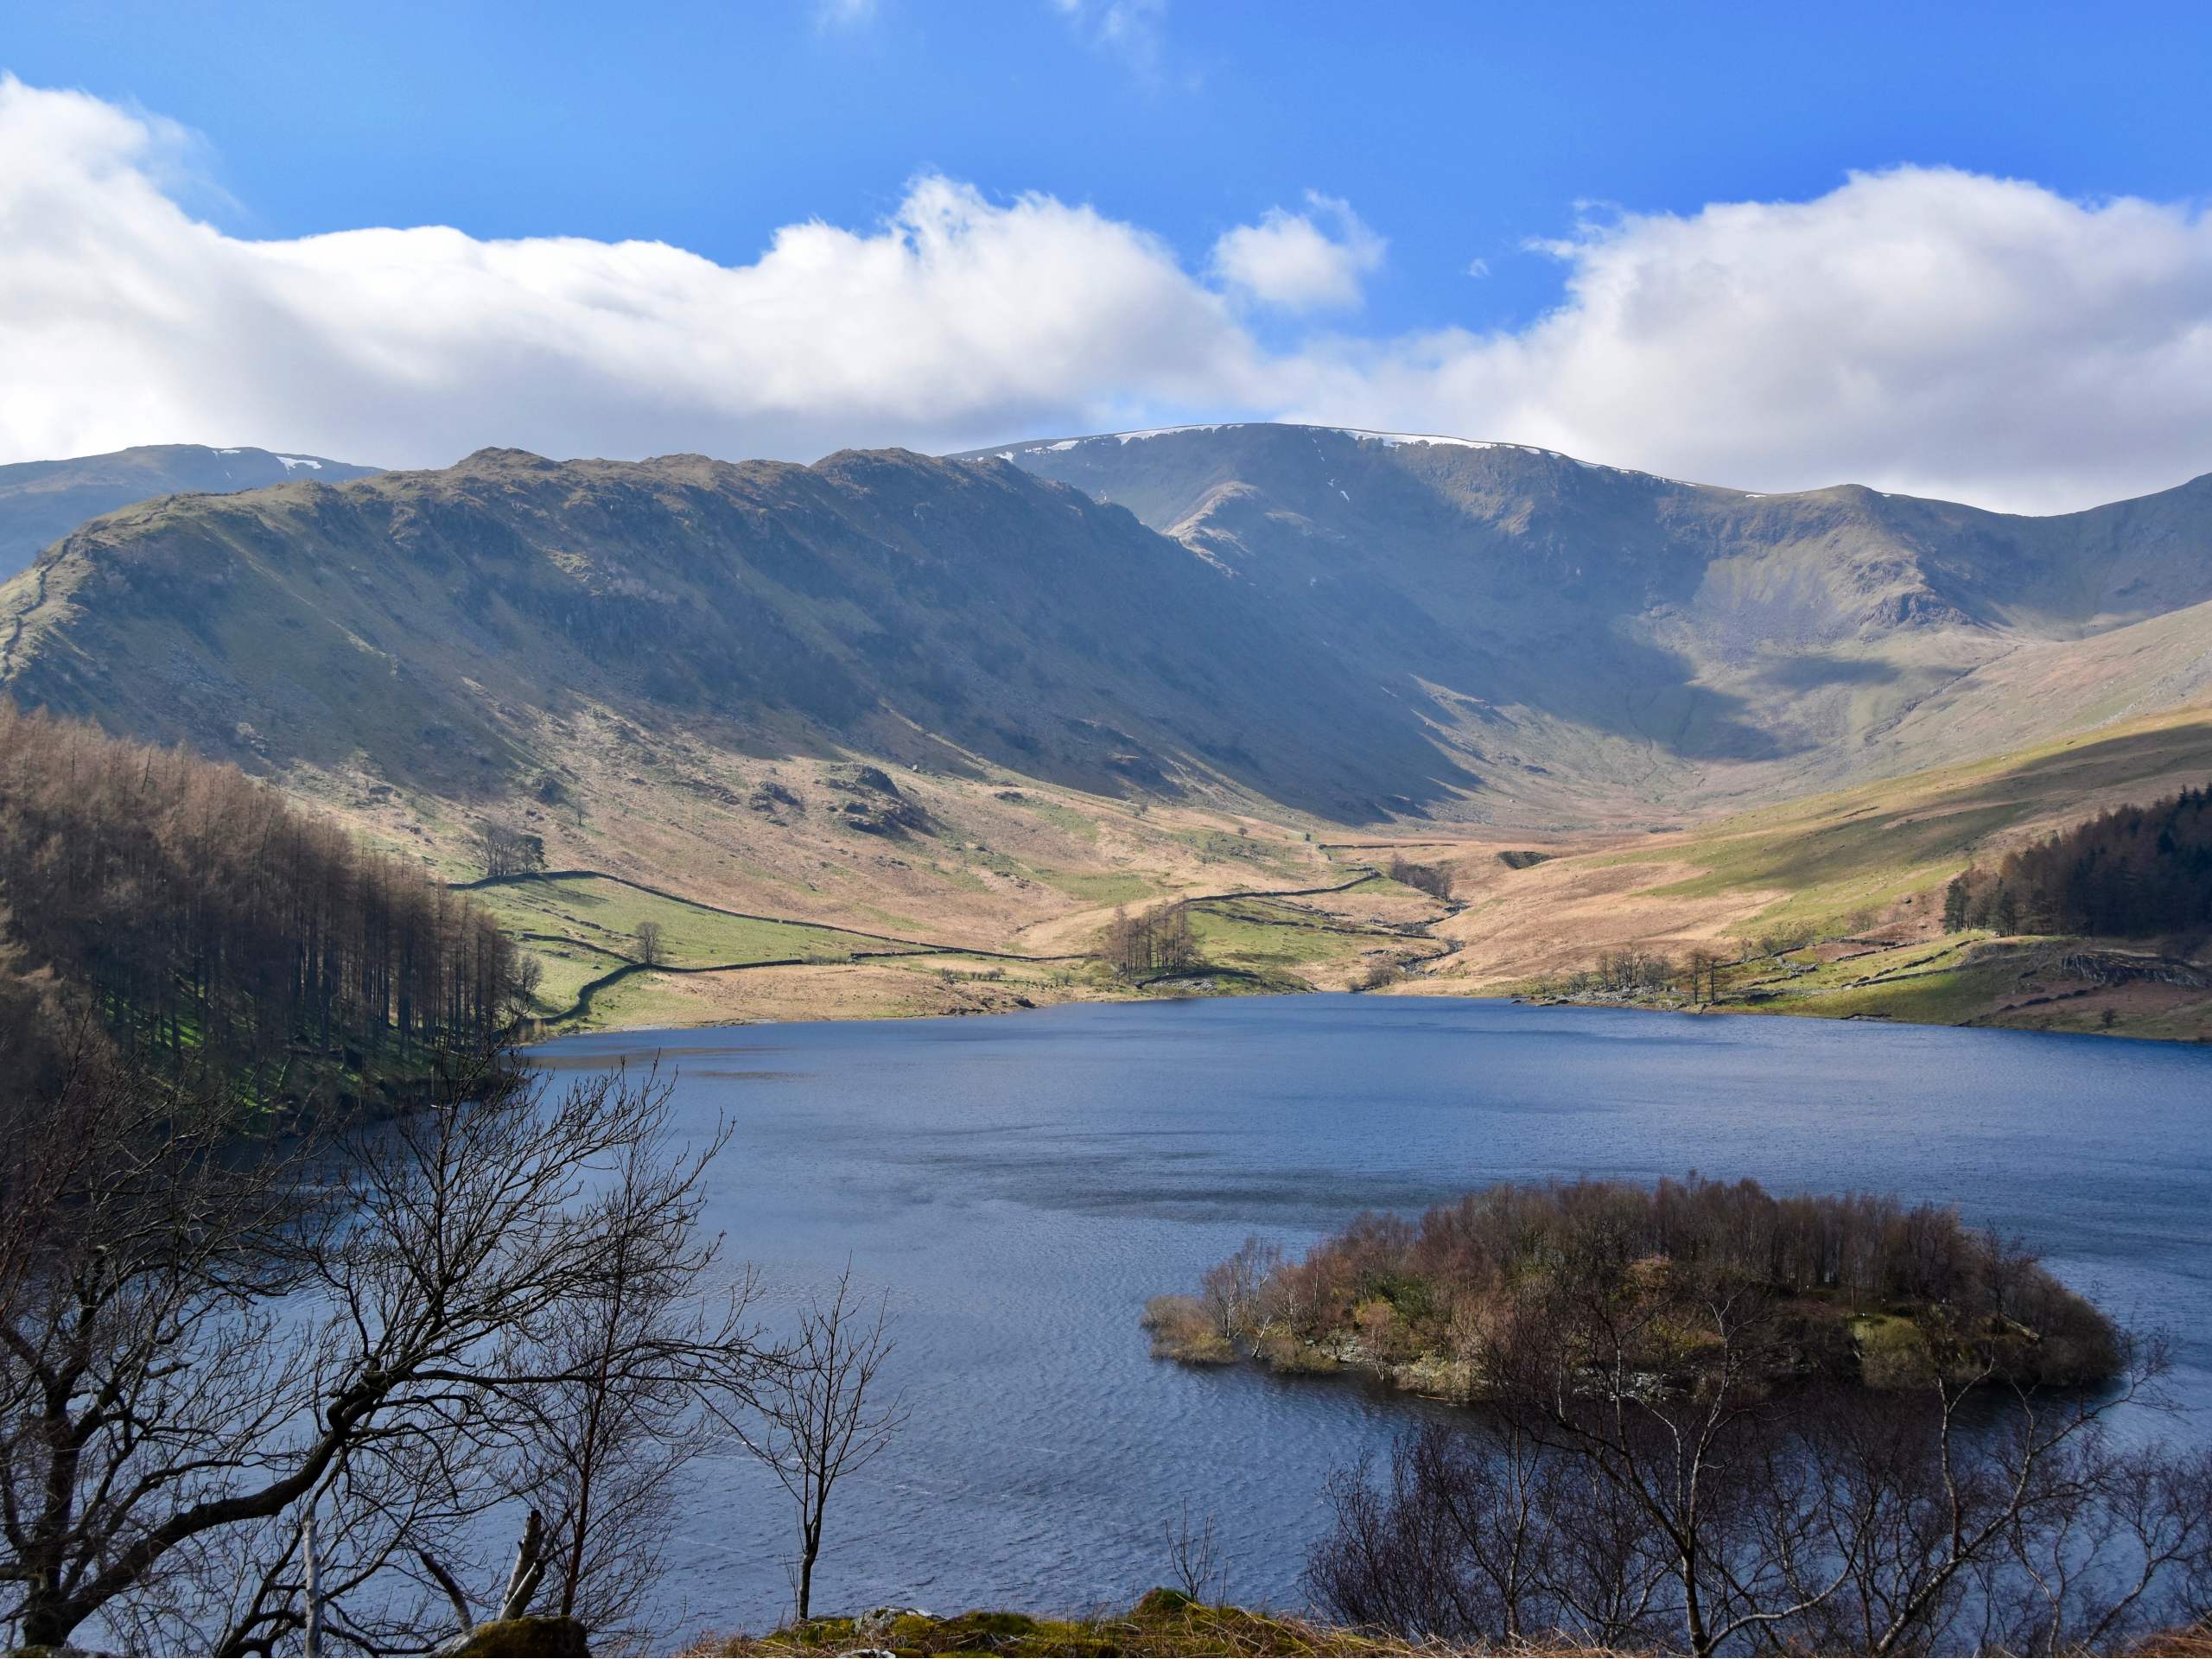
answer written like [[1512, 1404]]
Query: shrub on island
[[1666, 1283]]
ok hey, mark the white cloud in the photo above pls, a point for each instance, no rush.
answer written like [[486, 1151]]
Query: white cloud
[[1921, 329], [1132, 30], [1289, 260], [1918, 329], [958, 321]]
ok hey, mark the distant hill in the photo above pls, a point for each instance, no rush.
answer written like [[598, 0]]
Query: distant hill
[[445, 626], [1592, 639], [42, 501], [983, 702], [1355, 626]]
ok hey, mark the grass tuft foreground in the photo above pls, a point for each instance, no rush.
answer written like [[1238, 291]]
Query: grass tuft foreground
[[1163, 1622]]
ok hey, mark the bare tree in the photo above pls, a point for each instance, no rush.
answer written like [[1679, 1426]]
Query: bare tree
[[526, 1576], [1194, 1556], [523, 982], [1634, 970], [206, 1342], [823, 1414], [651, 945], [222, 934], [1159, 941], [1233, 1291], [136, 1347], [1175, 947], [1475, 1535], [505, 851], [247, 1588], [1703, 967], [607, 1438], [1598, 1504]]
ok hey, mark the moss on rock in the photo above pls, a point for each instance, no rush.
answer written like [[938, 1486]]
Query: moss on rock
[[526, 1639]]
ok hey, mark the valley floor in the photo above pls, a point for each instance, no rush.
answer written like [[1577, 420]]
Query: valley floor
[[2082, 985], [1361, 929], [809, 888], [1832, 906], [1372, 935]]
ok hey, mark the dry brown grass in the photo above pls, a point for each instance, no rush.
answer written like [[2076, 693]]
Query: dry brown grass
[[1163, 1622], [1010, 864], [1838, 862], [2194, 1642]]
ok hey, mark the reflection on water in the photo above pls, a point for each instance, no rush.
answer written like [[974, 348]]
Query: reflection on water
[[1020, 1183]]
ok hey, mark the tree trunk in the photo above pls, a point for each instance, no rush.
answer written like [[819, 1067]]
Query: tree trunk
[[810, 1547]]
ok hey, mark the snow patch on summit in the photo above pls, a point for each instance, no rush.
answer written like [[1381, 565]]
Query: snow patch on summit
[[1165, 431], [1116, 438], [1357, 433], [1395, 440]]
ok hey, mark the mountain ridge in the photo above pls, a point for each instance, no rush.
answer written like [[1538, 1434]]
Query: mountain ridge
[[791, 595], [1824, 616], [1352, 625], [42, 501], [1395, 439], [926, 697]]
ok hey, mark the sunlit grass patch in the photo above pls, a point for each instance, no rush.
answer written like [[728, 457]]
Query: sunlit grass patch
[[605, 914]]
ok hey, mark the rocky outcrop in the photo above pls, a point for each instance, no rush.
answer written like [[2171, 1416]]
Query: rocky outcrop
[[873, 805], [2127, 968]]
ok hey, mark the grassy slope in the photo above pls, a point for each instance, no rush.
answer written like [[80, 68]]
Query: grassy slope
[[521, 710], [1164, 1622], [1284, 938], [582, 928], [1010, 865], [607, 914], [1868, 860], [1970, 979], [566, 970], [1853, 855], [1005, 864]]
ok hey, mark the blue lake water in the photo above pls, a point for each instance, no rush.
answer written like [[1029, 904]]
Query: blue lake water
[[1020, 1184]]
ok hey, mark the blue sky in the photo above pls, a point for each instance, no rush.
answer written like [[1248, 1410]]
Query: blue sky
[[1426, 140], [1459, 131]]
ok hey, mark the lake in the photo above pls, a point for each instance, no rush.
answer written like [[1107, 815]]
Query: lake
[[1019, 1185]]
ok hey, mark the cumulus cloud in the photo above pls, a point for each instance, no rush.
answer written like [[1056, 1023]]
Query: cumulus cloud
[[959, 320], [1292, 261], [1921, 329], [1916, 329]]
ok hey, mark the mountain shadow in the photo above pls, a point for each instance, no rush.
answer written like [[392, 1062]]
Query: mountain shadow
[[436, 625]]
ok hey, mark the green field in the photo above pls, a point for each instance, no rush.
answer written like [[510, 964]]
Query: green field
[[1078, 825], [592, 924], [605, 915], [1840, 858], [1923, 984], [1108, 887], [581, 928], [637, 1000], [565, 968], [1270, 936]]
